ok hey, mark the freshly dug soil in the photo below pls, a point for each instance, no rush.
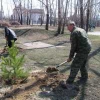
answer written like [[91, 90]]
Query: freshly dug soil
[[51, 69], [44, 86]]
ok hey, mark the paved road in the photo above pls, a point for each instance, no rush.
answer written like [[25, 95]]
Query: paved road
[[94, 33]]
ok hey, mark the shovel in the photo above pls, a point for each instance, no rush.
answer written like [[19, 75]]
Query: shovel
[[54, 69], [61, 64]]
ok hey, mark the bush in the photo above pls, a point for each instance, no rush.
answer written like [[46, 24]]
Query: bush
[[4, 23], [15, 23], [11, 66]]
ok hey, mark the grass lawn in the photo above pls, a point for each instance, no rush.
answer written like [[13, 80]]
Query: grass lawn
[[37, 59], [45, 57]]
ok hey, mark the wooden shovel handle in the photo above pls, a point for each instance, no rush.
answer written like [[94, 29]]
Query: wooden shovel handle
[[62, 63]]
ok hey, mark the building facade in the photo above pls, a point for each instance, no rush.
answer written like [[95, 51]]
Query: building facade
[[33, 16]]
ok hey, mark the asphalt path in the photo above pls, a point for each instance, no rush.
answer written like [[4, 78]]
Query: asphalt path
[[94, 33]]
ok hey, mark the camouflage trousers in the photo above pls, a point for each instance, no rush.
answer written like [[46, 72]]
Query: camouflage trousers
[[78, 64]]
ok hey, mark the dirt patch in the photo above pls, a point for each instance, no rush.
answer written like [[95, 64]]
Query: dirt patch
[[36, 82], [36, 45], [43, 86]]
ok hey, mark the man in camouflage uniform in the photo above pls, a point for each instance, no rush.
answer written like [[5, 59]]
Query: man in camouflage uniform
[[80, 48]]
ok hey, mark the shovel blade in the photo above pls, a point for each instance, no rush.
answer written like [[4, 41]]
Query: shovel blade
[[51, 69]]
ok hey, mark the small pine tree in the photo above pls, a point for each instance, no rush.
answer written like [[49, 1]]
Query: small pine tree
[[11, 66]]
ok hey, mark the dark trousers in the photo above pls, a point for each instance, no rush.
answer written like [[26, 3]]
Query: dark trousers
[[10, 43], [79, 63]]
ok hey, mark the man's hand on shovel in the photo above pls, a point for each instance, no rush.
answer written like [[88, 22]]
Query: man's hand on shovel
[[69, 59]]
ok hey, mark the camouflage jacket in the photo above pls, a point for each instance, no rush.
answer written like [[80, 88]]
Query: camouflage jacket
[[79, 42]]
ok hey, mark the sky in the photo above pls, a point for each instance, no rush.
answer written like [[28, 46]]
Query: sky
[[8, 6]]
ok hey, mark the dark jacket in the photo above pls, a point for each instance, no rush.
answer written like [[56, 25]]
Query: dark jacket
[[10, 34], [79, 42]]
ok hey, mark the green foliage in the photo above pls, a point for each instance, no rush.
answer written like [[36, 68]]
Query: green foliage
[[11, 66]]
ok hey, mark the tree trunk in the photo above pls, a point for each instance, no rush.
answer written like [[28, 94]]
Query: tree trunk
[[41, 6], [47, 16], [17, 11], [64, 19], [59, 18], [1, 10], [81, 14], [21, 20], [28, 13], [50, 15], [21, 16], [55, 19], [88, 13], [47, 22]]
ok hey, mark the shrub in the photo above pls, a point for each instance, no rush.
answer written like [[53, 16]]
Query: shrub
[[15, 23], [4, 23], [11, 66]]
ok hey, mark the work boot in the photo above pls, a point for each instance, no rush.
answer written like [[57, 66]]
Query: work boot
[[82, 80], [69, 82], [69, 86], [66, 85], [63, 84]]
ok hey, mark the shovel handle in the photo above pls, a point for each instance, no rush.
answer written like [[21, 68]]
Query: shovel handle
[[61, 63]]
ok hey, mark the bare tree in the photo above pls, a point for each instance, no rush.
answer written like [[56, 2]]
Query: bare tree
[[55, 12], [41, 6], [81, 14], [47, 11], [59, 18], [1, 10], [88, 13], [64, 18], [47, 15], [51, 11], [21, 18], [28, 12], [17, 11], [76, 12]]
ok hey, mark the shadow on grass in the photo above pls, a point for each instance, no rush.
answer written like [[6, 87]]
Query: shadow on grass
[[83, 86], [95, 52], [92, 54], [82, 92], [23, 33], [52, 37], [4, 55], [95, 72], [20, 33]]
